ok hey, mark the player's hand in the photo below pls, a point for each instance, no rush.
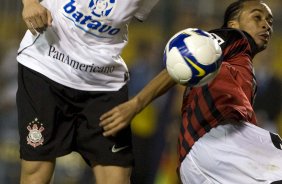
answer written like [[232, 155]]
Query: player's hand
[[118, 118], [36, 17]]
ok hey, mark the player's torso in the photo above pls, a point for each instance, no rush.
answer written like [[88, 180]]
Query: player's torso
[[237, 64], [82, 47], [94, 20], [238, 55], [228, 96]]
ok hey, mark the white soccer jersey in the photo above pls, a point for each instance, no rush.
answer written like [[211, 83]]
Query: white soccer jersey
[[82, 48]]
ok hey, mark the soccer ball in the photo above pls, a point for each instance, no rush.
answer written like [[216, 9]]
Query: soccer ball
[[192, 57]]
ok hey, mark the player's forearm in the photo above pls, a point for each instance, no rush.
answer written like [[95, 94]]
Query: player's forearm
[[157, 87]]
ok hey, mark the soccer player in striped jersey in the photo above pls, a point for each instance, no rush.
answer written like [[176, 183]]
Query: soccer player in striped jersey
[[219, 139]]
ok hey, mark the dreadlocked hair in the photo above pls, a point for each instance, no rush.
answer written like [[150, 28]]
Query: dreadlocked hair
[[233, 11]]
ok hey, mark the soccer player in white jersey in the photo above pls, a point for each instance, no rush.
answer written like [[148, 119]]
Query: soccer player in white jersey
[[70, 73], [219, 140]]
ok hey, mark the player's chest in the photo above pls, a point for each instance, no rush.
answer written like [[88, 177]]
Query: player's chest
[[114, 12]]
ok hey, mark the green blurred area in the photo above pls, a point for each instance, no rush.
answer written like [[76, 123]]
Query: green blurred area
[[150, 128]]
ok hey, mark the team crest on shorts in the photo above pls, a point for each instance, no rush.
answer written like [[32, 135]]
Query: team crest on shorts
[[35, 137], [101, 8]]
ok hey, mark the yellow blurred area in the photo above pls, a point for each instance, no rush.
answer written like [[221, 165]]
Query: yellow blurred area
[[11, 28], [277, 61], [144, 124], [140, 32]]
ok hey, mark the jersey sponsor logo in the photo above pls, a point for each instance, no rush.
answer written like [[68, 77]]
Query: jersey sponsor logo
[[118, 149], [66, 59], [101, 8], [94, 22], [35, 137]]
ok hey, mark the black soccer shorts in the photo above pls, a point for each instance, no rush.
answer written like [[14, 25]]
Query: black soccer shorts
[[55, 120]]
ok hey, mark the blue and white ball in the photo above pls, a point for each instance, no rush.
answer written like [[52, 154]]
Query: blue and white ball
[[192, 57]]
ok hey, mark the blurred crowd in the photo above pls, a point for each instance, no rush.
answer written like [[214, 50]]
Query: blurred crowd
[[156, 128]]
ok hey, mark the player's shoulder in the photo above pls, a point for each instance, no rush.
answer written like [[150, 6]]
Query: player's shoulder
[[236, 40], [229, 33]]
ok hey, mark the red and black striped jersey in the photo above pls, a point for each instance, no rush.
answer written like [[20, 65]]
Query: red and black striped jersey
[[229, 96]]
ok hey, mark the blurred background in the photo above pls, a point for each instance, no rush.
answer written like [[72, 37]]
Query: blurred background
[[156, 128]]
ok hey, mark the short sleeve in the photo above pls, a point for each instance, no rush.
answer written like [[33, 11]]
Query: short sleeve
[[145, 9]]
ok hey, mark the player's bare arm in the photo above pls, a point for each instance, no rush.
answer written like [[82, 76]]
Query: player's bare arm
[[120, 116], [36, 17]]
